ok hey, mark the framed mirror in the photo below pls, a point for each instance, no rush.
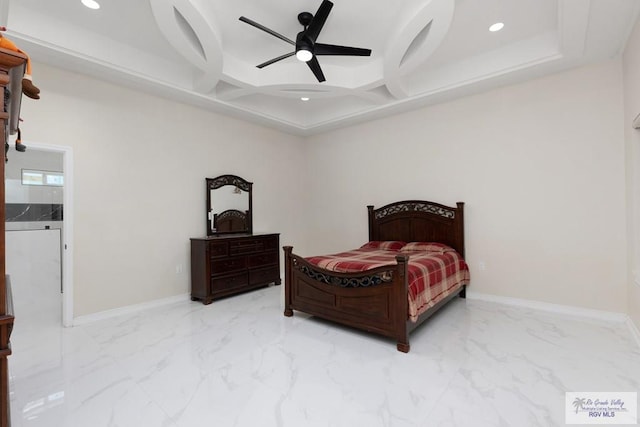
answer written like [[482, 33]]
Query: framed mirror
[[229, 201]]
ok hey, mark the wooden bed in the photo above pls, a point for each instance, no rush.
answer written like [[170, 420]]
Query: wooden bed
[[376, 300]]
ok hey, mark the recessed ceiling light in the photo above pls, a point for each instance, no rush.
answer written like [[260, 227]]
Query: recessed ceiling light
[[496, 27], [91, 4], [304, 98]]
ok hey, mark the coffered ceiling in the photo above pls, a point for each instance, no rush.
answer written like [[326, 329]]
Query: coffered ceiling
[[423, 51]]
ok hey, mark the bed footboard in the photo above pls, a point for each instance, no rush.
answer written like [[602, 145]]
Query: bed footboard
[[374, 300]]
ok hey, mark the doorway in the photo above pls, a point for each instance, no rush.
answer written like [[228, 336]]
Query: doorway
[[39, 234]]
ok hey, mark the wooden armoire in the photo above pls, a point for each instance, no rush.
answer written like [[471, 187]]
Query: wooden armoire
[[12, 68]]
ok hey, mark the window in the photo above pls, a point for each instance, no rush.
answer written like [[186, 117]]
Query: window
[[36, 177]]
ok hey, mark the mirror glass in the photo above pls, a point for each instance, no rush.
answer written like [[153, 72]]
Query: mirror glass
[[229, 201]]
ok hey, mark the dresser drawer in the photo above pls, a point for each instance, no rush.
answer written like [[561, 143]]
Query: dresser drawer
[[246, 246], [270, 243], [268, 258], [225, 265], [264, 275], [230, 281], [253, 244], [218, 249]]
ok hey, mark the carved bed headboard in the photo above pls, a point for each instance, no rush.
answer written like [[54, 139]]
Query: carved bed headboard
[[418, 221]]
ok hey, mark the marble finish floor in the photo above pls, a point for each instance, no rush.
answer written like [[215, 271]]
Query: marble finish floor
[[240, 362]]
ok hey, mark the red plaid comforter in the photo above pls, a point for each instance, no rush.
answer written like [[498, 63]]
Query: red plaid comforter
[[432, 275]]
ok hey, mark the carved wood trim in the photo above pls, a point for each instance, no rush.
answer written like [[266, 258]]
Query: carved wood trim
[[367, 281], [411, 206], [232, 213], [229, 180]]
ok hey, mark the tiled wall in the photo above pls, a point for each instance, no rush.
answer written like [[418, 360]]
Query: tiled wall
[[26, 212]]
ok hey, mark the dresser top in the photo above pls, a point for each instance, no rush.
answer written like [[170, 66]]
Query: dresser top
[[235, 236]]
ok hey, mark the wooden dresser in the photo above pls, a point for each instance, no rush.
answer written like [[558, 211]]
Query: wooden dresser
[[229, 264]]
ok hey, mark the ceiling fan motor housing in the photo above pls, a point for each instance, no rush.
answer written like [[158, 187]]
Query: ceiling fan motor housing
[[305, 19], [303, 42]]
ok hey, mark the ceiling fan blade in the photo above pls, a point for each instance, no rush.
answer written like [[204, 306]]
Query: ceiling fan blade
[[279, 58], [318, 20], [267, 30], [315, 67], [332, 49]]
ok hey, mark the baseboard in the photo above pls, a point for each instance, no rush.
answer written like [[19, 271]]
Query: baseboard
[[549, 307], [107, 314], [635, 332]]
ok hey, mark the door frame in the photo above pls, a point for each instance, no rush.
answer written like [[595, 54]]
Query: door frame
[[67, 225]]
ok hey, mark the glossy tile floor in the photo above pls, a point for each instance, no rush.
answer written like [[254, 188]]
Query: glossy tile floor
[[240, 362]]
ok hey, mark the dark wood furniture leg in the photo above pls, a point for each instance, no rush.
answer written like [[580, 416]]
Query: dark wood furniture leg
[[288, 312]]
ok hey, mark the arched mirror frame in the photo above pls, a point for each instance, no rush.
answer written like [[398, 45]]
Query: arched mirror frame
[[221, 181]]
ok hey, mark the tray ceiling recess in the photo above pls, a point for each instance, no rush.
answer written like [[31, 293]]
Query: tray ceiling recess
[[374, 58]]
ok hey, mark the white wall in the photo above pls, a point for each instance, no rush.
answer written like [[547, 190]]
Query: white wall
[[631, 67], [140, 164], [540, 166]]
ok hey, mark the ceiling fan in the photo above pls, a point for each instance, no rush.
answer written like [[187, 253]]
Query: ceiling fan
[[306, 48]]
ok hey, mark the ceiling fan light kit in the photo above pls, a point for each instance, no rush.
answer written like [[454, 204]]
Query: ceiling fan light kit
[[91, 4], [304, 55], [306, 48]]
